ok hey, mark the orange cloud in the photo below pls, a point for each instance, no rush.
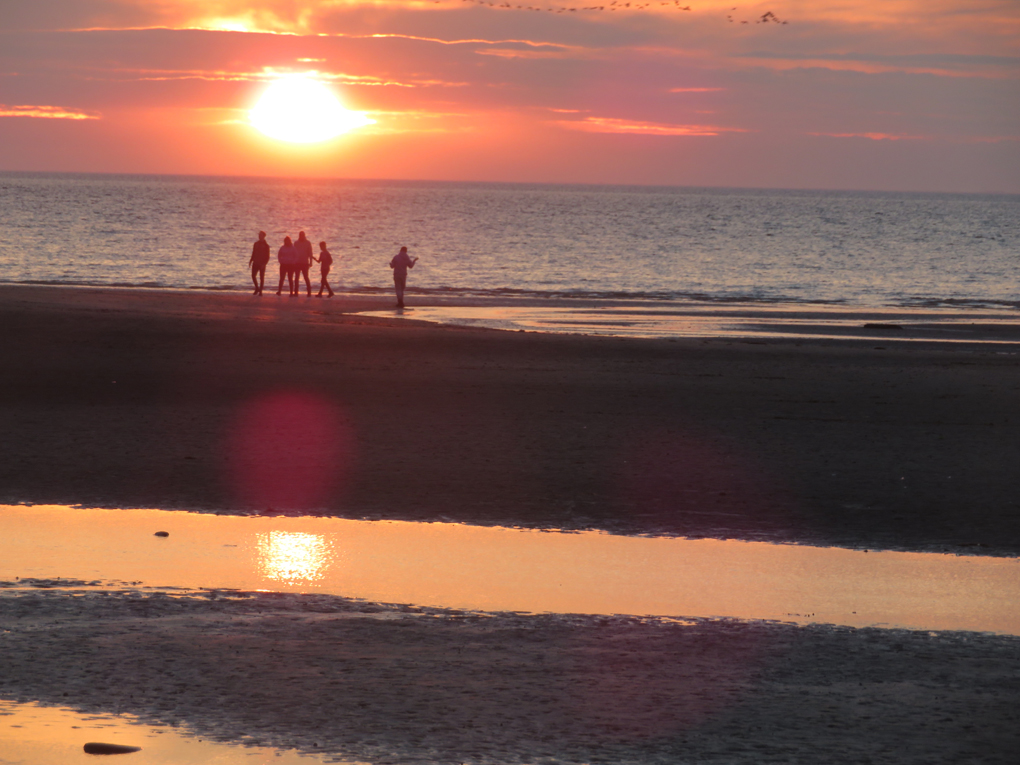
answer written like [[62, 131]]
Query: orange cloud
[[521, 54], [609, 125], [420, 121], [264, 75], [44, 112], [954, 66], [466, 41], [308, 17]]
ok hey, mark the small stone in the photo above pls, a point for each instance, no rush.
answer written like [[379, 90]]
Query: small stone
[[95, 747], [162, 534]]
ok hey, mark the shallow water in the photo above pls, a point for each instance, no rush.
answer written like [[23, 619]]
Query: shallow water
[[666, 320], [31, 734], [501, 569]]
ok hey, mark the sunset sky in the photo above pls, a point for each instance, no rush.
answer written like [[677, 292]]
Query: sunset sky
[[855, 94]]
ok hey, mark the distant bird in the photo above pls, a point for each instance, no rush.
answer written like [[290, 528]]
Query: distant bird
[[615, 5]]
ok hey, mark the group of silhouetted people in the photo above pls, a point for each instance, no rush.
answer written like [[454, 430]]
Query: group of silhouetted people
[[296, 259]]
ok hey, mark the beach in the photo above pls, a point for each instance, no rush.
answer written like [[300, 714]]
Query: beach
[[131, 398], [231, 404]]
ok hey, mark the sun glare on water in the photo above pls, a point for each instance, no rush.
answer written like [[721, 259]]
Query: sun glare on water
[[292, 557], [299, 109]]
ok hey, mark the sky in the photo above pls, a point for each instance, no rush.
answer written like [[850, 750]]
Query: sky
[[828, 94]]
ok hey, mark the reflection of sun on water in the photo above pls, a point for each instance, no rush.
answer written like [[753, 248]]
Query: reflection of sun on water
[[292, 557]]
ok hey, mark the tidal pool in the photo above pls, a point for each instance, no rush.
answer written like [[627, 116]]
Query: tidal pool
[[503, 569], [31, 734]]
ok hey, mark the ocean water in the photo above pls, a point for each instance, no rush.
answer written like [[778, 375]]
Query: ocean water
[[863, 249]]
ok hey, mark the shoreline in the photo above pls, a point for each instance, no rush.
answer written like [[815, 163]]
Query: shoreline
[[664, 318]]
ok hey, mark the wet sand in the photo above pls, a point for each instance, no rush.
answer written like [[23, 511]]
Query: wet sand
[[381, 684], [215, 402]]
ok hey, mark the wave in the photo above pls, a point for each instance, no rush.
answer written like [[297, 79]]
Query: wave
[[930, 302], [87, 283], [495, 292], [691, 297], [904, 301]]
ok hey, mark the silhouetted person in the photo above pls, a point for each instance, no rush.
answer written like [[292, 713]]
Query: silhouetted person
[[325, 261], [259, 260], [400, 263], [287, 256], [304, 261]]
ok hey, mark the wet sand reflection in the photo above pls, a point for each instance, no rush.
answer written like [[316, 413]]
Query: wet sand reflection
[[667, 319]]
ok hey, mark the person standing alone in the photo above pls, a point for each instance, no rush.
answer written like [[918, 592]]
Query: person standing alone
[[258, 262], [325, 261], [400, 263]]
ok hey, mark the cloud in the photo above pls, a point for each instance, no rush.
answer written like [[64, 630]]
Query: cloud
[[288, 16], [951, 64], [610, 125], [875, 136], [45, 112], [895, 77], [49, 15], [900, 137]]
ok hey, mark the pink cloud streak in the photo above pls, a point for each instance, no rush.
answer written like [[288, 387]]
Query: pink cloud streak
[[609, 125], [874, 136]]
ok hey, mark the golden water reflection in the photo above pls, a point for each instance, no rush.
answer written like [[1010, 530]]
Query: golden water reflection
[[501, 569], [292, 557], [32, 734]]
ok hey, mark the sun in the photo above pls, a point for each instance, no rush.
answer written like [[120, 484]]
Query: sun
[[300, 109]]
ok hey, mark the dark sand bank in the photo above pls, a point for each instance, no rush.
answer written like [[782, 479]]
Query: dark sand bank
[[136, 398], [407, 685]]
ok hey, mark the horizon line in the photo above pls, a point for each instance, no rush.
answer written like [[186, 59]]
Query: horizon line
[[596, 184]]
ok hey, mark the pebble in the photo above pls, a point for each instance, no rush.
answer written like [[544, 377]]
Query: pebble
[[95, 747]]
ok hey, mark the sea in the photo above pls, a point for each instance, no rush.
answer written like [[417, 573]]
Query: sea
[[643, 243]]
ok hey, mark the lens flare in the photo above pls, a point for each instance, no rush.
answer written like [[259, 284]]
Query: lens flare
[[288, 450]]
